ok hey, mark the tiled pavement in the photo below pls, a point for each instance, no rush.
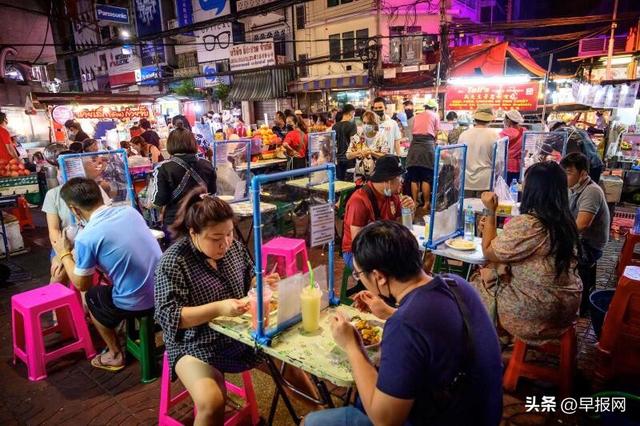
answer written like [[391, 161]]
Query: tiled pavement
[[76, 394]]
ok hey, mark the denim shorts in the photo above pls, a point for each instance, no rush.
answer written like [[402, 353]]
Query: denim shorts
[[345, 416]]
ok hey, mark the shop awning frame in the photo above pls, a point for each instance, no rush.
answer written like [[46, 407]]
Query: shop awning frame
[[260, 85], [339, 83], [66, 98]]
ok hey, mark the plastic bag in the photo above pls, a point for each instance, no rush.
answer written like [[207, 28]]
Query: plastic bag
[[502, 191], [227, 179]]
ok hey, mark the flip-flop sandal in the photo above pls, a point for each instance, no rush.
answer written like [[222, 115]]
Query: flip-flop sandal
[[96, 362]]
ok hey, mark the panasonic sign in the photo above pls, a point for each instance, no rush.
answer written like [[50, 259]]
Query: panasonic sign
[[119, 15]]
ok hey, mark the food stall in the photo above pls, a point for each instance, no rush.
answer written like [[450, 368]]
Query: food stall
[[106, 117]]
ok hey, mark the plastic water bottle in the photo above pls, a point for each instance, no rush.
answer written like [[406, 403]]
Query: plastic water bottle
[[513, 189], [407, 218], [469, 224]]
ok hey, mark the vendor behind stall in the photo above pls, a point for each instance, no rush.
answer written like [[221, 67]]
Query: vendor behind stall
[[149, 135], [76, 134], [8, 151]]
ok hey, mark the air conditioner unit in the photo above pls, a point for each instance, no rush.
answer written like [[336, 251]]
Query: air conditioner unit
[[600, 45]]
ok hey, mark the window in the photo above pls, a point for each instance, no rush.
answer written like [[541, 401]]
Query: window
[[334, 47], [362, 39], [406, 45], [332, 3], [304, 67], [300, 17], [348, 45]]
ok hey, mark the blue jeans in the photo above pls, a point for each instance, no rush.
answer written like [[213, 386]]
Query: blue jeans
[[347, 256], [345, 416]]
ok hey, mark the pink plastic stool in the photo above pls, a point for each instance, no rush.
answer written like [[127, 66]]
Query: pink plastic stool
[[289, 248], [248, 410], [28, 335]]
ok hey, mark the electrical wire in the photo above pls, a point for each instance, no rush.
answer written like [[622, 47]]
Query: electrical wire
[[46, 32]]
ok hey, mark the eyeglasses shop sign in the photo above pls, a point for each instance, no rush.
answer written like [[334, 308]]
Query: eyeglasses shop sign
[[251, 55]]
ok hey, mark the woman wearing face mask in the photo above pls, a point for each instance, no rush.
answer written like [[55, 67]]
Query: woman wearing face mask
[[366, 148]]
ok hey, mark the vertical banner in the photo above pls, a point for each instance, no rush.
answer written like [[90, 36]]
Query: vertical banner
[[184, 12], [148, 17]]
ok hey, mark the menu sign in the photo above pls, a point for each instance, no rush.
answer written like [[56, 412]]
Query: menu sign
[[606, 96], [523, 96], [252, 55], [138, 111]]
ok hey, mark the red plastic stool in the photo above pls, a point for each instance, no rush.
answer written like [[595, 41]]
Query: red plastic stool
[[627, 256], [248, 411], [618, 351], [561, 376], [289, 248], [23, 214], [28, 335]]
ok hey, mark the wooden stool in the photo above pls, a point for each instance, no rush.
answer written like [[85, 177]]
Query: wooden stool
[[561, 376]]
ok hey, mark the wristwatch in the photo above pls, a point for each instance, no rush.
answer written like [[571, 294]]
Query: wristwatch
[[488, 213]]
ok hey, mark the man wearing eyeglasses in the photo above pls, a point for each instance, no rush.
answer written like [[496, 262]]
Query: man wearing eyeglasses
[[378, 199], [440, 361]]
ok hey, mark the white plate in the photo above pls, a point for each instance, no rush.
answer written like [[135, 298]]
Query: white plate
[[449, 242]]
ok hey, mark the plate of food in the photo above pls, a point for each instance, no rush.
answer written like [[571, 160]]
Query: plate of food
[[369, 331], [461, 244], [226, 198]]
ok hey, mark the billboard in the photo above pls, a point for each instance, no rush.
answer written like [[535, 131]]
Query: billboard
[[520, 96]]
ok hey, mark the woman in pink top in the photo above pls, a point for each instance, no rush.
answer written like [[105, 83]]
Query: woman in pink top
[[513, 131]]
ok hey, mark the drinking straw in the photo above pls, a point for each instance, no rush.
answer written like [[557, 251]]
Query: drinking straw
[[311, 277]]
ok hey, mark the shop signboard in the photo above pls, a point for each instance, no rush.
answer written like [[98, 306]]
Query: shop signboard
[[252, 55], [122, 60], [209, 9], [250, 4], [112, 112], [521, 96], [148, 17], [149, 76], [152, 53], [184, 11], [214, 42], [119, 15], [621, 95], [61, 114]]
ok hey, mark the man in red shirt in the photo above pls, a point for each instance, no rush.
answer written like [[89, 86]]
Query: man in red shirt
[[7, 149], [378, 199]]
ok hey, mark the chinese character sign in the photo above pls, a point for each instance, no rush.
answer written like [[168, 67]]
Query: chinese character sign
[[148, 17], [105, 112], [523, 97]]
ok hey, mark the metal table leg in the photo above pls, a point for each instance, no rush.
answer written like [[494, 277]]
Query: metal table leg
[[280, 384]]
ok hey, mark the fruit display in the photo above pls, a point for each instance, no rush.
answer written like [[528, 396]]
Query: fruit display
[[317, 128], [625, 146], [12, 168], [267, 136]]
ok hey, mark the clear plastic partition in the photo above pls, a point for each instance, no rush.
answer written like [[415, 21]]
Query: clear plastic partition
[[447, 196], [229, 157], [542, 146], [322, 150], [286, 309], [108, 168], [500, 158]]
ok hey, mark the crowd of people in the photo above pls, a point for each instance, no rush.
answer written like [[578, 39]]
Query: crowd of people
[[539, 273]]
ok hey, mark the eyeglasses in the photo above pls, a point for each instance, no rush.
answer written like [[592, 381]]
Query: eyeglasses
[[223, 40], [356, 274]]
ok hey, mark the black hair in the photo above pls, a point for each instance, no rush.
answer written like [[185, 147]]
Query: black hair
[[82, 193], [451, 115], [144, 123], [199, 210], [181, 118], [181, 140], [545, 196], [348, 108], [76, 147], [379, 99], [577, 160], [339, 116], [407, 103], [87, 143], [72, 124], [389, 248], [3, 116], [280, 114]]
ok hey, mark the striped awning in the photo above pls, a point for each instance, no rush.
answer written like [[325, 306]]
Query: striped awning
[[260, 85], [353, 82]]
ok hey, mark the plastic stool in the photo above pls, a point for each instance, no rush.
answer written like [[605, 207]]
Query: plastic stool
[[28, 335], [23, 214], [561, 376], [619, 345], [141, 344], [289, 248], [627, 256], [248, 410]]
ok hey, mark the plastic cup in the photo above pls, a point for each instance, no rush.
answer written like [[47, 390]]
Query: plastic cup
[[310, 300], [253, 306]]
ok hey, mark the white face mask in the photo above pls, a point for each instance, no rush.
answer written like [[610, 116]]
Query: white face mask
[[387, 190]]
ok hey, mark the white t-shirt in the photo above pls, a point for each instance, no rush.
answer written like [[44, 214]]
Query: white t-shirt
[[479, 141], [390, 132]]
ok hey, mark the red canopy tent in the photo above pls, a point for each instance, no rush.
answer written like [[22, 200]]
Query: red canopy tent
[[489, 59]]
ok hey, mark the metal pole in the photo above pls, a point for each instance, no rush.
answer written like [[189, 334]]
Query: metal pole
[[546, 86], [611, 38]]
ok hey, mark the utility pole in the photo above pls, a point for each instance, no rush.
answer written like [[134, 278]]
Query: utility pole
[[546, 87], [444, 46], [611, 38]]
